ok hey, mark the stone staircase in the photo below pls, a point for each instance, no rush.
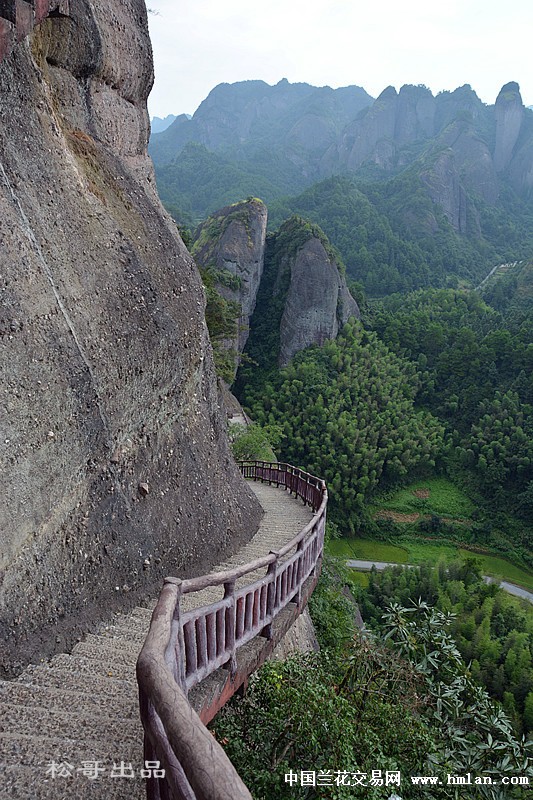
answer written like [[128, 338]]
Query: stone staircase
[[70, 727]]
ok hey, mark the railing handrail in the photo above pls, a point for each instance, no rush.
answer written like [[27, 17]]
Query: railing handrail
[[183, 647], [164, 704]]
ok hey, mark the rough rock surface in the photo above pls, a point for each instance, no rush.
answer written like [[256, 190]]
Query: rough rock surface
[[318, 302], [114, 460], [509, 112], [290, 118], [300, 638], [484, 142], [445, 188], [233, 241]]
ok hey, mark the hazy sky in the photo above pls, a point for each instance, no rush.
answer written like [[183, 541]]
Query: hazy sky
[[200, 43]]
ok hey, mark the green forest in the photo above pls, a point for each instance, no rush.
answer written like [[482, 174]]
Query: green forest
[[433, 382], [394, 701], [419, 416], [431, 391]]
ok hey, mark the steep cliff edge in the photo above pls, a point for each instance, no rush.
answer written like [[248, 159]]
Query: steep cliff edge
[[509, 113], [114, 460]]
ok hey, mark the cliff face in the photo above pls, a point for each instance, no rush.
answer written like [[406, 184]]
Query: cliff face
[[513, 151], [509, 112], [231, 243], [304, 293], [293, 117], [318, 302], [114, 460], [450, 137]]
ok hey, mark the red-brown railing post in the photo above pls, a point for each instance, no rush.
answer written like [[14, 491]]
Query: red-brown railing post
[[175, 652], [271, 596], [229, 593], [299, 550]]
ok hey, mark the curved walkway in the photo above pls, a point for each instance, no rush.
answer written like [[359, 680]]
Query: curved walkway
[[70, 727]]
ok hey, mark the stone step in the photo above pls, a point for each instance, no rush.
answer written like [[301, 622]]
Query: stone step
[[56, 678], [23, 749], [124, 632], [48, 721], [137, 613], [111, 643], [23, 783], [104, 703], [93, 666], [83, 707], [99, 650]]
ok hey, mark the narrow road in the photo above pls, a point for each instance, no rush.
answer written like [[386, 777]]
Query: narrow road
[[493, 270]]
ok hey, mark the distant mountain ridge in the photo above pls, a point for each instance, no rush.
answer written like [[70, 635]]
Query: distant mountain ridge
[[158, 124], [458, 167], [307, 133], [242, 116]]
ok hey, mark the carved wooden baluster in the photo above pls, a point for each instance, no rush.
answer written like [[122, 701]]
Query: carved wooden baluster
[[191, 653], [271, 596], [201, 641], [239, 618], [221, 630], [175, 655], [229, 593], [211, 629], [248, 611], [300, 562]]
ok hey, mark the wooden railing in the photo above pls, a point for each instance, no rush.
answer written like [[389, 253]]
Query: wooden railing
[[185, 646]]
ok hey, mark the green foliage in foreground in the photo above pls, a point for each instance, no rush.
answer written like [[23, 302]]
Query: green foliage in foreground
[[402, 700], [493, 631], [347, 413]]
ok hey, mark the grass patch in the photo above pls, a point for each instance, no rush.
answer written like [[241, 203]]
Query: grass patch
[[443, 498], [362, 579], [367, 550], [418, 551], [501, 568]]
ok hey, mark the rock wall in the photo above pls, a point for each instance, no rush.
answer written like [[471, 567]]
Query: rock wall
[[114, 460], [484, 143], [19, 17], [232, 242], [509, 112], [300, 638], [318, 302]]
